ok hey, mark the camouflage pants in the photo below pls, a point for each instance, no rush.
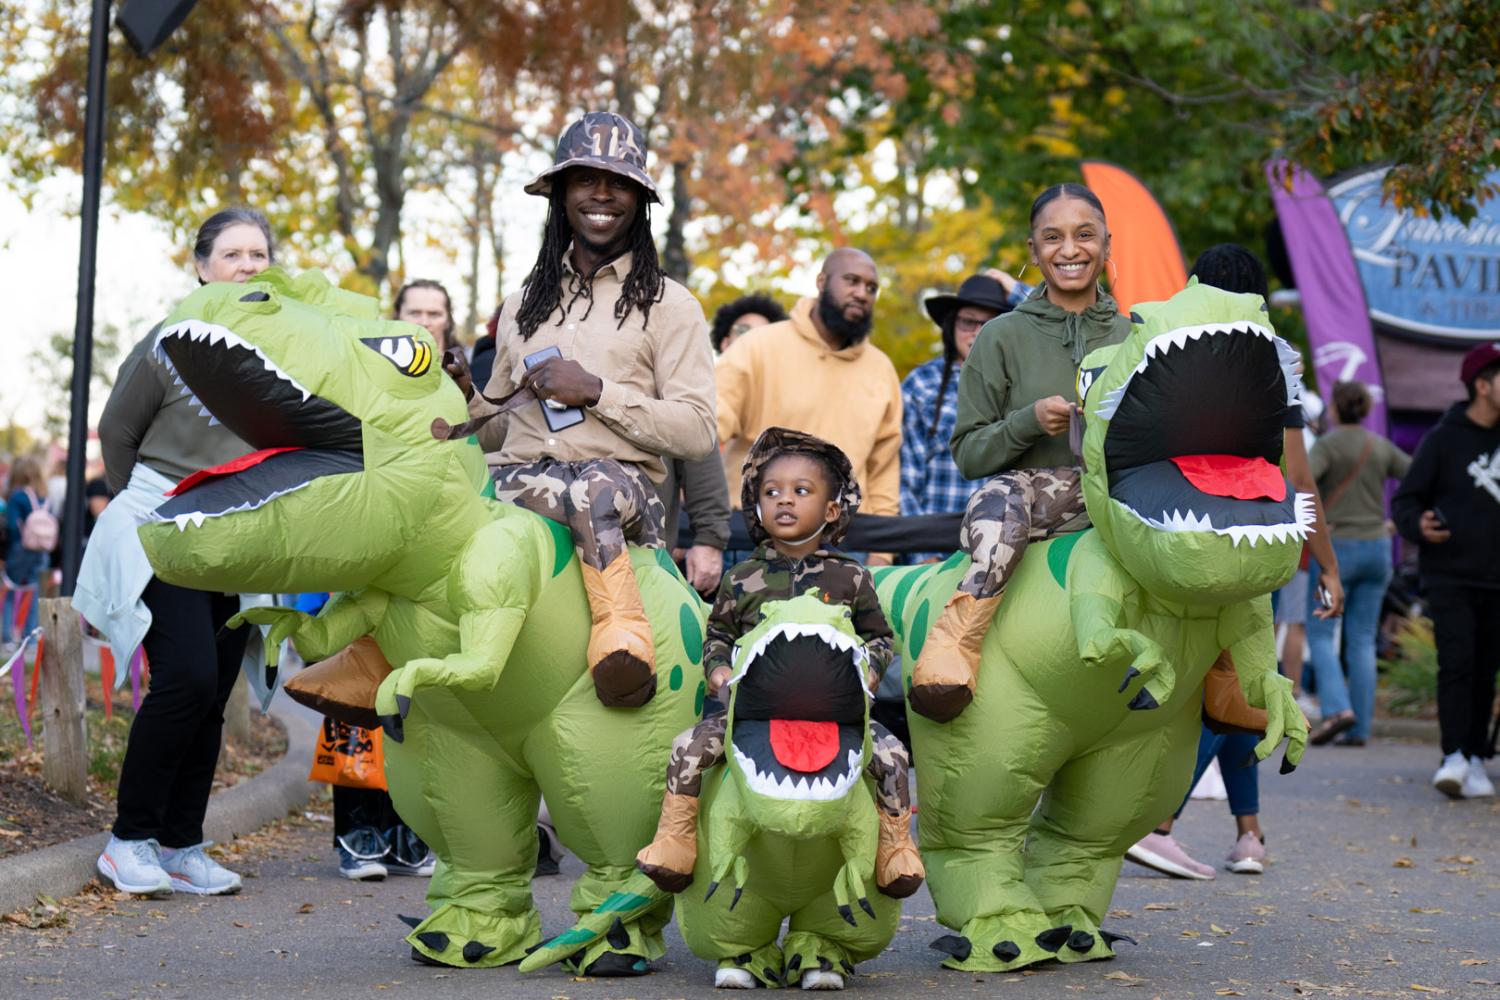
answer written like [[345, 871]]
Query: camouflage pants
[[603, 502], [1009, 512], [702, 747]]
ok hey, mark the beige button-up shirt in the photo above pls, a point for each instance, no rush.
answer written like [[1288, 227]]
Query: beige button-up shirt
[[658, 394]]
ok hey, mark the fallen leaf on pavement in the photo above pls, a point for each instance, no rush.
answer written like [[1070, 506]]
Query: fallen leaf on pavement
[[1218, 930], [1475, 961], [1423, 909], [1160, 906], [1424, 989], [1123, 977], [1403, 863]]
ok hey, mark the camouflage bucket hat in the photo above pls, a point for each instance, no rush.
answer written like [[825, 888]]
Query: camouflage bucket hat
[[605, 141], [777, 441]]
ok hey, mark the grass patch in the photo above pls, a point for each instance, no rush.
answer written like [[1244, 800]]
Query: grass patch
[[1410, 678]]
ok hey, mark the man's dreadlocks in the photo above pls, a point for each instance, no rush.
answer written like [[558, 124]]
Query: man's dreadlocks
[[644, 285]]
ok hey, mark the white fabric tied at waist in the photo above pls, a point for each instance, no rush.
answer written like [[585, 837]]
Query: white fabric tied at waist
[[115, 572]]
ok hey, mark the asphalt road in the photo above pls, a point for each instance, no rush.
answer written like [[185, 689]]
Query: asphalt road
[[1379, 887]]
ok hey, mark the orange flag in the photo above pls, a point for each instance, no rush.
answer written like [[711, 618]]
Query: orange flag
[[1146, 260]]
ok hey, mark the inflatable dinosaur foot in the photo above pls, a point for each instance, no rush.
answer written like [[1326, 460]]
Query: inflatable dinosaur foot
[[669, 859], [815, 962], [467, 939], [946, 673], [1085, 943], [1000, 944], [621, 655], [898, 866], [633, 938], [764, 966]]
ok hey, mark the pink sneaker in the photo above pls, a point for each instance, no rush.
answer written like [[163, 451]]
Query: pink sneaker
[[1248, 856], [1159, 852]]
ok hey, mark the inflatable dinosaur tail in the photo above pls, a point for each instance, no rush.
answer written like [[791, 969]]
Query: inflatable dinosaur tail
[[635, 897]]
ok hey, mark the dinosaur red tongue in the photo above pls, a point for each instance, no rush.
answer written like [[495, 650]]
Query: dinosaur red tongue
[[227, 469], [804, 746], [1233, 476]]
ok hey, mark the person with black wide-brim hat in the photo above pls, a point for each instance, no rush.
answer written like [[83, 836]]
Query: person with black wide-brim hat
[[930, 481]]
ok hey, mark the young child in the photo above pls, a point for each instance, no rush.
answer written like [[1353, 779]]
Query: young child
[[798, 496]]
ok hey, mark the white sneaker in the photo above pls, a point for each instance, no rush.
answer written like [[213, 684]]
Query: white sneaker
[[1449, 778], [135, 866], [817, 979], [192, 870], [729, 978], [1477, 784]]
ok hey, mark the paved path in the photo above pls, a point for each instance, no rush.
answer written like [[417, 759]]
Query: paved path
[[1379, 886]]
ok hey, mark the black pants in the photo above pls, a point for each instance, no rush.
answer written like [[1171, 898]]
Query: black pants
[[1466, 624], [357, 807], [174, 742]]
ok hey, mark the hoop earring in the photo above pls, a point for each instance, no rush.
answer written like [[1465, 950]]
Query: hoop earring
[[1114, 277], [1023, 270]]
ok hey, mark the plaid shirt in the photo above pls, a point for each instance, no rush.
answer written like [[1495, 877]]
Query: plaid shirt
[[930, 481]]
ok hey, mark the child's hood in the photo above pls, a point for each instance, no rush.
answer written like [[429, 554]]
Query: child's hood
[[775, 441]]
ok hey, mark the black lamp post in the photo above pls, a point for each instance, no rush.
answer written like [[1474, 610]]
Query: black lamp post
[[146, 24]]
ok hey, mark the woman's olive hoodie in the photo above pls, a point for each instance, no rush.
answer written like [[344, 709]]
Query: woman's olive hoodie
[[1020, 357]]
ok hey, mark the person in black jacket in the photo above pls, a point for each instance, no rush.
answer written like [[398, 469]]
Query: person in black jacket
[[1449, 504]]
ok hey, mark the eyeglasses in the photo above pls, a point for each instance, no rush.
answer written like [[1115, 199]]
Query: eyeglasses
[[966, 324]]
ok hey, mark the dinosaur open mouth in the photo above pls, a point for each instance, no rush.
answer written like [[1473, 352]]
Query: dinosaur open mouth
[[299, 436], [799, 713], [1196, 430]]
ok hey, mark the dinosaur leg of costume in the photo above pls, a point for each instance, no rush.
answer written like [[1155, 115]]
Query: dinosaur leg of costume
[[974, 822], [479, 817], [1225, 709], [1088, 820], [946, 674], [621, 656], [819, 938]]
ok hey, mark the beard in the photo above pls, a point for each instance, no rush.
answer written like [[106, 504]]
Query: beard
[[849, 332]]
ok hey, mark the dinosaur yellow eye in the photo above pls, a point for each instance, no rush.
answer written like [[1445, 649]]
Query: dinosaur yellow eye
[[412, 357]]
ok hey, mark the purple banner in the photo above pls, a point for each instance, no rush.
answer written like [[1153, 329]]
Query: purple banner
[[1333, 300]]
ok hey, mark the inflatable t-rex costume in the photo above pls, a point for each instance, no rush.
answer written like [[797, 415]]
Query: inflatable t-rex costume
[[789, 823], [478, 604], [1093, 667]]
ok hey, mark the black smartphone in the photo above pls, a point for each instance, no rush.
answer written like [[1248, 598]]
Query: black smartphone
[[559, 417], [1442, 522]]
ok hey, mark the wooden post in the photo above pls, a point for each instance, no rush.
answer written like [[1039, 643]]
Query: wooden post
[[65, 749]]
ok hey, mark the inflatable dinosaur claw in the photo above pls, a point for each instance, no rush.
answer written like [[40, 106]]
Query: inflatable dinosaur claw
[[1143, 701], [474, 951], [1054, 938], [959, 946], [1005, 951], [393, 728], [1080, 941]]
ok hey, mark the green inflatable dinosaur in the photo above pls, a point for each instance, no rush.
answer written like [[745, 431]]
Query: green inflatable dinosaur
[[1083, 731], [789, 823], [478, 604]]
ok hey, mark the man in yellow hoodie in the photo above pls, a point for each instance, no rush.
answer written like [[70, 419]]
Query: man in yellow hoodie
[[818, 373]]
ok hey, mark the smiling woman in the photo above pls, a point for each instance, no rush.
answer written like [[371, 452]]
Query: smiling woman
[[152, 435], [1013, 418]]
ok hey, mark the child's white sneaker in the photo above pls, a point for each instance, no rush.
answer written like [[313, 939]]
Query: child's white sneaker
[[192, 870], [729, 978], [135, 866], [1477, 784], [817, 979], [1449, 778]]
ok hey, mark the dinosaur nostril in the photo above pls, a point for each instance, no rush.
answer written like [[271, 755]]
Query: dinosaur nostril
[[255, 297]]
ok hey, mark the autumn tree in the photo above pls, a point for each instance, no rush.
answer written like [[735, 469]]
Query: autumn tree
[[310, 109]]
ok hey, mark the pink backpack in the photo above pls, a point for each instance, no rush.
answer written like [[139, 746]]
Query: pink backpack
[[39, 530]]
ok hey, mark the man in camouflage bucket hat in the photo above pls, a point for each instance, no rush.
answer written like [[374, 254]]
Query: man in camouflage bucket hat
[[805, 488], [604, 140], [617, 356]]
